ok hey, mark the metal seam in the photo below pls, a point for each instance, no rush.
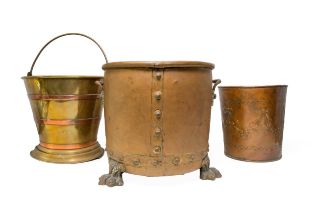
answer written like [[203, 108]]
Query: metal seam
[[69, 122], [64, 97], [67, 146], [157, 101]]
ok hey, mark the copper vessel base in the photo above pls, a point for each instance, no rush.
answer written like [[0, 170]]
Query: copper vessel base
[[254, 161]]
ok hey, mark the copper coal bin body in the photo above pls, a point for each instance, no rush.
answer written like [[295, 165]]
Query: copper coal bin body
[[157, 118], [252, 121]]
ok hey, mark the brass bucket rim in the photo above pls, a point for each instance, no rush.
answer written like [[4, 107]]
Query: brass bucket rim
[[62, 77], [251, 86]]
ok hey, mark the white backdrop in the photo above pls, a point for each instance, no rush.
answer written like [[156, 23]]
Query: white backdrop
[[251, 43]]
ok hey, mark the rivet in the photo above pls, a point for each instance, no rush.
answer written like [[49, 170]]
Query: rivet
[[136, 162], [157, 113], [157, 131], [156, 162], [157, 95], [157, 149], [190, 157], [158, 75], [176, 161]]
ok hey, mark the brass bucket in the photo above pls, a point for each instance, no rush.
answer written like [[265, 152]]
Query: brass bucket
[[67, 111], [157, 118], [252, 121]]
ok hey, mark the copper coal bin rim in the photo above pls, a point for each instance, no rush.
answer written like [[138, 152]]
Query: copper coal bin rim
[[168, 142], [253, 121]]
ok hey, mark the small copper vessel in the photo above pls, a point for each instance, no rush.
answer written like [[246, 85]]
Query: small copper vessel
[[252, 121]]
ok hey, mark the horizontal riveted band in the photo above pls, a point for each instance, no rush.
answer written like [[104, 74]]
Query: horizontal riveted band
[[64, 97], [67, 146], [69, 122], [144, 161]]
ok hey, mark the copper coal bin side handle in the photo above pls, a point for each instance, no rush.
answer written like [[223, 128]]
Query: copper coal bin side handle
[[215, 82]]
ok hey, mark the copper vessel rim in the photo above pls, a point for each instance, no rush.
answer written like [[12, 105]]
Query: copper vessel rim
[[252, 87], [157, 64], [62, 77]]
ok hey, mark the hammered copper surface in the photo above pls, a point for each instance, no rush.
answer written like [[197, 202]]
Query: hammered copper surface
[[252, 121], [157, 116]]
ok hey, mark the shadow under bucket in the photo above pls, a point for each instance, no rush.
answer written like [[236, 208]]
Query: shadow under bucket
[[67, 111], [252, 121]]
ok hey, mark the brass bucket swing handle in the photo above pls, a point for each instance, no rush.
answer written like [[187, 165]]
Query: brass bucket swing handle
[[57, 37]]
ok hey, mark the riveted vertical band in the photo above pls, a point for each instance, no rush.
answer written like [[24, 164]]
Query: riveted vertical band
[[157, 112]]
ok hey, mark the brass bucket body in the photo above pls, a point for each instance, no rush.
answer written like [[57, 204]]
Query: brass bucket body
[[67, 111], [253, 121], [157, 118]]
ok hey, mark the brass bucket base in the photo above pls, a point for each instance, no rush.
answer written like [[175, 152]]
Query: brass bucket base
[[68, 156]]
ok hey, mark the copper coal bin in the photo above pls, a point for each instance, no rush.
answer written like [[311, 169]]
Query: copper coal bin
[[157, 118]]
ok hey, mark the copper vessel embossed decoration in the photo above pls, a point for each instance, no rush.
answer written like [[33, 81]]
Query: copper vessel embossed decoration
[[67, 111], [253, 121], [157, 118]]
